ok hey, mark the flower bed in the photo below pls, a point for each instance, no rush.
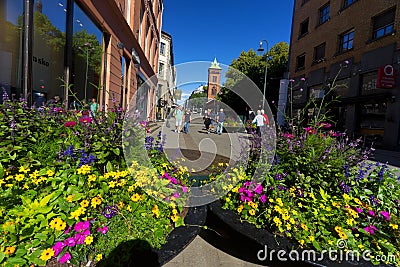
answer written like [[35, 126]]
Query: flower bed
[[66, 192], [320, 192]]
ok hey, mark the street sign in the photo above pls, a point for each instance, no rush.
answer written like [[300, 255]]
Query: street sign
[[386, 77]]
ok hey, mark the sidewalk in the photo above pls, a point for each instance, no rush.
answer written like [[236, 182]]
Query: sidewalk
[[386, 156]]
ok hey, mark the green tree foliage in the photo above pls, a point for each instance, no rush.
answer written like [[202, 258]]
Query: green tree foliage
[[253, 66]]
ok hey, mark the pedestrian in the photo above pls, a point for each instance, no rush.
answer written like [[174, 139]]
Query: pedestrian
[[220, 120], [188, 120], [259, 119], [178, 114], [207, 121], [41, 100], [266, 123], [94, 107]]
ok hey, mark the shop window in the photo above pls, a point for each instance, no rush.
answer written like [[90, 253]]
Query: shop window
[[86, 56], [48, 46], [11, 17], [383, 24], [368, 85]]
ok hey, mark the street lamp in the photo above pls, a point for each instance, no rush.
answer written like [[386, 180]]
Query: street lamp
[[261, 49]]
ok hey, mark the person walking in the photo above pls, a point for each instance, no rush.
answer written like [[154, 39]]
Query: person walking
[[266, 123], [188, 120], [220, 120], [94, 107], [207, 121], [178, 114], [259, 120]]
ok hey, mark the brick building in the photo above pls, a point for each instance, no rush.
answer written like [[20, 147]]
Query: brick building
[[361, 39], [96, 48]]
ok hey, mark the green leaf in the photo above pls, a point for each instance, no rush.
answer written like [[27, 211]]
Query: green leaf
[[1, 171], [2, 255], [116, 151], [45, 200], [41, 236], [109, 166], [16, 261]]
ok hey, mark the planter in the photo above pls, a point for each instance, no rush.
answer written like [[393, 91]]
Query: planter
[[139, 253], [228, 225], [234, 129]]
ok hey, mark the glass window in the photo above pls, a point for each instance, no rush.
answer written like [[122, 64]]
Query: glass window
[[346, 41], [300, 62], [383, 24], [161, 69], [11, 25], [347, 3], [324, 13], [86, 56], [49, 26], [319, 52], [162, 48], [214, 79], [303, 27]]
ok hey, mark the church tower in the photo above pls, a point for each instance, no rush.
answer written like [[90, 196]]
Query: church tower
[[214, 79]]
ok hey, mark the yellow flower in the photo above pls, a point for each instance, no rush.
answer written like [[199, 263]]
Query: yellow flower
[[91, 178], [89, 240], [335, 204], [330, 242], [240, 208], [135, 197], [111, 184], [22, 169], [227, 199], [342, 235], [300, 205], [156, 211], [131, 188], [357, 201], [9, 250], [277, 221], [95, 202], [129, 208], [304, 227], [84, 203], [47, 254], [174, 218], [252, 212], [57, 224], [50, 173], [301, 242], [84, 169], [174, 211], [350, 221], [288, 226], [338, 229], [294, 212], [394, 226], [99, 257], [70, 198], [120, 205], [271, 200], [292, 221], [346, 197], [360, 246], [253, 205], [19, 177], [311, 238]]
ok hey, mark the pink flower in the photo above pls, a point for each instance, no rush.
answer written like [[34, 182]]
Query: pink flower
[[176, 195], [371, 229], [67, 230], [386, 215], [325, 125], [102, 230], [303, 79], [358, 210], [346, 62], [70, 242], [291, 80], [258, 189], [58, 247], [310, 130], [371, 213], [288, 135], [263, 198], [184, 189], [85, 120], [82, 226], [70, 124], [64, 258], [80, 239]]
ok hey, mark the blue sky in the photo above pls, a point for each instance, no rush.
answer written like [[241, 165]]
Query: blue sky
[[204, 29]]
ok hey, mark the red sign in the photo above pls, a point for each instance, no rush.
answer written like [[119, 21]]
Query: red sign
[[386, 77]]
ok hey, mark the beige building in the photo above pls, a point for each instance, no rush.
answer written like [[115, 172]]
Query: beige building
[[361, 38], [166, 77]]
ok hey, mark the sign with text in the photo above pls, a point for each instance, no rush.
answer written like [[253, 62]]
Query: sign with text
[[386, 77]]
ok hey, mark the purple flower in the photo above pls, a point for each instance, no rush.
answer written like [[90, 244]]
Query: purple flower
[[258, 189], [263, 198], [303, 79], [184, 189], [346, 62], [386, 215], [70, 242], [110, 211], [278, 177], [358, 210], [64, 258], [80, 238]]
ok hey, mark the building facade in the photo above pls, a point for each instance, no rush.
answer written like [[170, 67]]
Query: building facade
[[351, 46], [80, 49], [166, 77]]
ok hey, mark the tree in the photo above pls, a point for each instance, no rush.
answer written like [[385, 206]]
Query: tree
[[253, 66]]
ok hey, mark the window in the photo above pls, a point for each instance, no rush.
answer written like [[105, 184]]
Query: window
[[303, 27], [214, 79], [319, 53], [348, 3], [383, 24], [213, 90], [162, 48], [161, 69], [300, 62], [346, 41], [324, 13]]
